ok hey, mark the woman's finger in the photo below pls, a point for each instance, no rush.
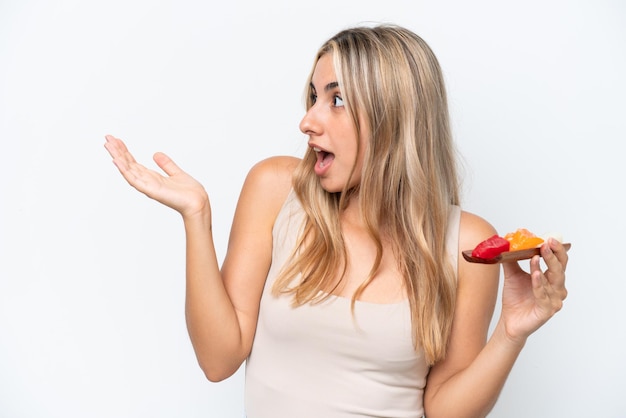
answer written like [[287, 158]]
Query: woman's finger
[[166, 164], [555, 258], [549, 294], [555, 255], [122, 158]]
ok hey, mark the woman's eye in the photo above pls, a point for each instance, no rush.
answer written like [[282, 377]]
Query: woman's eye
[[313, 98], [337, 101]]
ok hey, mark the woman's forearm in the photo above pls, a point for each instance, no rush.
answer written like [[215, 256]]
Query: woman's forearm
[[474, 391], [212, 322]]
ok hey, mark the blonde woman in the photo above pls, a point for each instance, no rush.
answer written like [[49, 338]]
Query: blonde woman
[[343, 287]]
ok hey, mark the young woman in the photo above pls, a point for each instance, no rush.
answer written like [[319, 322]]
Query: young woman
[[343, 285]]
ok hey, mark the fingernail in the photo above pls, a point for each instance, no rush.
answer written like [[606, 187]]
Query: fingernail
[[548, 248]]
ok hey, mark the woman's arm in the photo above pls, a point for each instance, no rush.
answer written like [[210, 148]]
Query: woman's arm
[[221, 306], [468, 381]]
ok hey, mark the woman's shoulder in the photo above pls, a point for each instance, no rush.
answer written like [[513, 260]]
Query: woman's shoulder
[[281, 165], [269, 182], [473, 230], [273, 172]]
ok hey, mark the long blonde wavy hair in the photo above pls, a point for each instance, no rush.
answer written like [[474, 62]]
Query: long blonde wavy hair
[[391, 79]]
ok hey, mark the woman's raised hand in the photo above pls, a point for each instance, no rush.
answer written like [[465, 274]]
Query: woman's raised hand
[[530, 299], [177, 189]]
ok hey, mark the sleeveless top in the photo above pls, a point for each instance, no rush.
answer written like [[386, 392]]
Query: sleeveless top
[[318, 361]]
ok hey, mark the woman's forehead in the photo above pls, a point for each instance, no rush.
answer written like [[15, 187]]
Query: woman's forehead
[[324, 75]]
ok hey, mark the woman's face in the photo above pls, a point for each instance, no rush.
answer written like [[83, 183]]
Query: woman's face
[[332, 134]]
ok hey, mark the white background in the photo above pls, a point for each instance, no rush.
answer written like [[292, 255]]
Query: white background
[[92, 273]]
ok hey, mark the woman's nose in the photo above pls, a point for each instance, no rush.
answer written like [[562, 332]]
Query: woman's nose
[[309, 124]]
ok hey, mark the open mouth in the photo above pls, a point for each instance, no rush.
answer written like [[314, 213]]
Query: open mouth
[[323, 157]]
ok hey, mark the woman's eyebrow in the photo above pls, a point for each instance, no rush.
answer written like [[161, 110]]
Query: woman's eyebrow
[[328, 87], [331, 86]]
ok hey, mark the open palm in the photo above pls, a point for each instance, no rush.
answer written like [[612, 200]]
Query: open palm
[[176, 189]]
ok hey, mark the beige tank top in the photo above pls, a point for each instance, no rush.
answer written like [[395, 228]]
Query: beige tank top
[[318, 361]]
